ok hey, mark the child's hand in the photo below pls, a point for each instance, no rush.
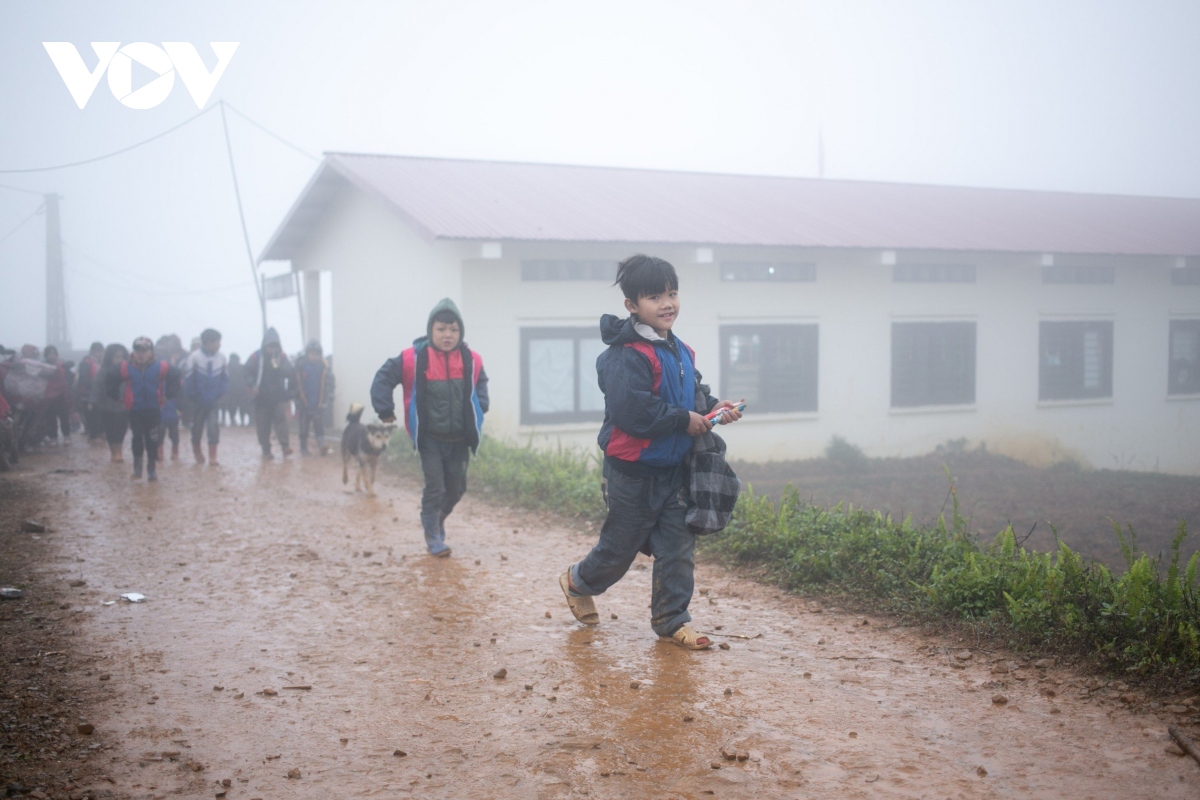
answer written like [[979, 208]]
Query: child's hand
[[388, 420], [731, 414], [697, 424]]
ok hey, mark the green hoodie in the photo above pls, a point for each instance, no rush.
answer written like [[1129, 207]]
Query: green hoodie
[[442, 403]]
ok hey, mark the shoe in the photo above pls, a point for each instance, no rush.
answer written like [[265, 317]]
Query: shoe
[[304, 451], [198, 453], [151, 471], [324, 450], [267, 455], [137, 468], [582, 607], [212, 455], [435, 539], [287, 451]]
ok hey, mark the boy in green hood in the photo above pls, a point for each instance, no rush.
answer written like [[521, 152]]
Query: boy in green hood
[[445, 398]]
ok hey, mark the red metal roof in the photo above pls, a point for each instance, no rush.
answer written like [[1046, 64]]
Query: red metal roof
[[490, 200]]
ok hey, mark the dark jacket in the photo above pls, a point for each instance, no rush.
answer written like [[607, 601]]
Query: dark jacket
[[273, 376], [445, 394], [89, 368], [649, 389]]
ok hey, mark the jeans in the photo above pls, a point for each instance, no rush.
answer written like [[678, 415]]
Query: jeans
[[445, 467], [646, 514], [266, 415], [146, 425], [206, 417], [311, 416]]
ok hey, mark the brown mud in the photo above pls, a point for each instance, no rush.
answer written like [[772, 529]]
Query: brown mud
[[293, 627]]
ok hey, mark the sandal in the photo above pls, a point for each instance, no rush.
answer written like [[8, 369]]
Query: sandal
[[687, 638], [584, 608]]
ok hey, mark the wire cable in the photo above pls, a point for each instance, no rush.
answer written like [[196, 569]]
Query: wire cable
[[190, 119], [19, 189], [272, 133], [21, 224]]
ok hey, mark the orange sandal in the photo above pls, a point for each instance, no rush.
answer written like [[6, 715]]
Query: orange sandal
[[691, 640], [584, 608]]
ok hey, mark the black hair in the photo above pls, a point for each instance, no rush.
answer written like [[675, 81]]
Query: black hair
[[445, 316], [97, 347], [210, 335], [48, 350], [642, 275]]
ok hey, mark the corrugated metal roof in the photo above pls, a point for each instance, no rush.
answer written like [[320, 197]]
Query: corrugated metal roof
[[491, 200]]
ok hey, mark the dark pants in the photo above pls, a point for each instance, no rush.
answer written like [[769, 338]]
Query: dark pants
[[115, 425], [207, 417], [647, 514], [445, 467], [58, 415], [311, 416], [268, 415], [93, 422], [171, 428], [146, 426]]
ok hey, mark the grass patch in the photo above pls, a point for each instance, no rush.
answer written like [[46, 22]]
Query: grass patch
[[1144, 622]]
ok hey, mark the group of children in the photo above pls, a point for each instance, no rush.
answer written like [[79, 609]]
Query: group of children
[[655, 406]]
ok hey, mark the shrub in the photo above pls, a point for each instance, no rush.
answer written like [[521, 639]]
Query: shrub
[[847, 456]]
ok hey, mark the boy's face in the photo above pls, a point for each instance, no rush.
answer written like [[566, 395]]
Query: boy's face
[[444, 335], [313, 356], [659, 311], [211, 347]]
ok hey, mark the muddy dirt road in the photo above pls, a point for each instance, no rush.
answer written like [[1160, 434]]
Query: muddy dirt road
[[292, 627]]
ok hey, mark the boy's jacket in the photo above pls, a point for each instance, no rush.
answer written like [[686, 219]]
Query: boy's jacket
[[205, 377], [146, 387], [445, 394], [649, 389]]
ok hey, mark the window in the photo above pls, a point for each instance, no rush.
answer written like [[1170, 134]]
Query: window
[[558, 375], [933, 273], [566, 270], [771, 367], [1184, 369], [1069, 274], [1185, 276], [933, 363], [762, 271], [1075, 360]]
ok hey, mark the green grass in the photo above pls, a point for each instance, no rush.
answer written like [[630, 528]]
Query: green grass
[[1144, 622]]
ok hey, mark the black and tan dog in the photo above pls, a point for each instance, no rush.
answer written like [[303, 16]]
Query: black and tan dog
[[365, 443]]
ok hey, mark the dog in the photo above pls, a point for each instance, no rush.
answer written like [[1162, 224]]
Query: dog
[[365, 443]]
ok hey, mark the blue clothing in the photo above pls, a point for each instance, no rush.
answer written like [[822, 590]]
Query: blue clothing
[[169, 411], [146, 387], [649, 390], [310, 382], [205, 377]]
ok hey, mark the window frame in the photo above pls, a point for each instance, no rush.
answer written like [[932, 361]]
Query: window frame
[[809, 395], [1051, 394], [538, 332], [788, 271], [1194, 389], [926, 397]]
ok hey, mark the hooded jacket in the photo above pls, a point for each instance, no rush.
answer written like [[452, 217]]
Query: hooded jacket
[[272, 376], [205, 377], [445, 394], [147, 386], [650, 387]]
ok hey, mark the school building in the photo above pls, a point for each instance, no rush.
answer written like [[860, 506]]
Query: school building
[[1048, 325]]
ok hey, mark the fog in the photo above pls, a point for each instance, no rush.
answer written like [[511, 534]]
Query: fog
[[1089, 97]]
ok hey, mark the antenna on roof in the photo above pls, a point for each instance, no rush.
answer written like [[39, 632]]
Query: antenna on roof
[[820, 152]]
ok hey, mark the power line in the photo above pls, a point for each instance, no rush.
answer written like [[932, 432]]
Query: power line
[[19, 189], [114, 153], [262, 303], [272, 134], [21, 224]]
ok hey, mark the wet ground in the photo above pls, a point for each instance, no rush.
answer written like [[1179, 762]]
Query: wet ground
[[294, 628]]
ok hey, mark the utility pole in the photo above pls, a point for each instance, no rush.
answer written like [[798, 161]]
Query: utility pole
[[57, 332]]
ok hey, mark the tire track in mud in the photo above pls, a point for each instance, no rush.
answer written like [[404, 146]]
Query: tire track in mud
[[263, 576]]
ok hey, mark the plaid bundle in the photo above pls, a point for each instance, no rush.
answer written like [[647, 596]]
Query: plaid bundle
[[712, 485]]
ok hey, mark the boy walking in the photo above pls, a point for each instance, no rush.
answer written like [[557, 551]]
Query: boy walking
[[654, 404], [445, 398], [205, 381], [314, 388], [270, 376], [148, 383]]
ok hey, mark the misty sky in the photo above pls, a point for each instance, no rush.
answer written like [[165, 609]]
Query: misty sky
[[1078, 96]]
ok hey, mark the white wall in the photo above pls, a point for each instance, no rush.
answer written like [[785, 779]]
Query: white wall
[[386, 278]]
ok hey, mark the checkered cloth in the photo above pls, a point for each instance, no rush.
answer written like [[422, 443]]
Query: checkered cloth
[[712, 486]]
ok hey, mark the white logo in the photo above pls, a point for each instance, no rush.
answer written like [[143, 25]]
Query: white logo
[[165, 61]]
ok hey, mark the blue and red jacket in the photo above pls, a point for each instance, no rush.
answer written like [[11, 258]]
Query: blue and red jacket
[[148, 387], [438, 367], [649, 390]]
